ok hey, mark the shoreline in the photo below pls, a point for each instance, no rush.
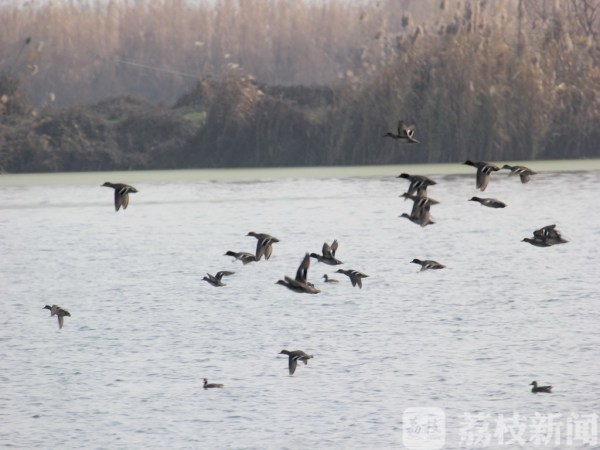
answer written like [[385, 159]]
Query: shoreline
[[275, 173]]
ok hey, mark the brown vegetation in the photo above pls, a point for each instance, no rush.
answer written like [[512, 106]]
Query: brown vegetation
[[506, 80]]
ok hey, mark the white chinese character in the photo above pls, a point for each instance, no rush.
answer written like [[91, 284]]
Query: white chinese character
[[514, 426], [543, 427], [475, 430], [582, 428]]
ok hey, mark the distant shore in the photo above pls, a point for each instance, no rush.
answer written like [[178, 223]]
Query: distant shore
[[271, 173]]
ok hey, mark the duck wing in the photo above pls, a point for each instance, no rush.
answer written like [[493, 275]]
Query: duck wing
[[292, 364], [302, 272]]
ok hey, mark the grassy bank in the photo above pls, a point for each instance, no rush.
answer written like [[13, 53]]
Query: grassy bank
[[255, 83]]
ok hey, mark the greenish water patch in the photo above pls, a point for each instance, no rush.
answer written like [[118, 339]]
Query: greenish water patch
[[251, 174]]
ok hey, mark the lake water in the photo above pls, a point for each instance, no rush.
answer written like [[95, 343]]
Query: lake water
[[461, 344]]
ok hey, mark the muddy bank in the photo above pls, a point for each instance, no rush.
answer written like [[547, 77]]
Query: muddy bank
[[231, 122]]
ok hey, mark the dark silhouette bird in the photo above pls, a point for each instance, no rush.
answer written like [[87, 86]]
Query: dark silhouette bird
[[300, 284], [328, 254], [329, 280], [546, 237], [405, 133], [550, 234], [215, 280], [264, 246], [489, 202], [122, 192], [418, 184], [538, 241], [293, 357], [536, 389], [208, 385], [483, 172], [354, 275], [59, 312], [420, 213], [244, 257], [428, 264], [524, 172]]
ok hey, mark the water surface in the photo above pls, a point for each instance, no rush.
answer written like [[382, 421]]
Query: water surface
[[126, 370]]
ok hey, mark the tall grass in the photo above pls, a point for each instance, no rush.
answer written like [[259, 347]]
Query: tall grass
[[515, 79]]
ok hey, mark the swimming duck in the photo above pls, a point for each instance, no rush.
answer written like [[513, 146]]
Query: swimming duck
[[121, 193], [264, 246], [483, 172], [215, 280], [405, 133], [244, 257], [354, 275], [428, 264], [535, 389], [328, 256], [208, 385], [489, 202], [329, 280], [418, 183], [59, 312], [524, 172], [300, 284], [293, 358]]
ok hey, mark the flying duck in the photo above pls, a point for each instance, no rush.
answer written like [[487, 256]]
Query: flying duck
[[215, 280], [59, 312], [418, 183], [538, 241], [244, 257], [328, 256], [524, 172], [535, 389], [208, 385], [354, 275], [405, 133], [300, 284], [483, 172], [121, 193], [489, 202], [428, 264], [550, 234], [293, 358], [264, 246]]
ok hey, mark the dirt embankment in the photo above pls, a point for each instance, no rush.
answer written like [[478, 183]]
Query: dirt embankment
[[232, 122]]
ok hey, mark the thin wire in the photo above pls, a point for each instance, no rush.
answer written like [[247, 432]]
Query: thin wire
[[156, 69]]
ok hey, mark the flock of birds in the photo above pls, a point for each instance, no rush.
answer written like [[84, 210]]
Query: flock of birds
[[420, 215]]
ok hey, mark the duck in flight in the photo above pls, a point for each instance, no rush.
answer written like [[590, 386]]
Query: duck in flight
[[56, 310], [405, 133], [122, 192], [523, 172], [293, 357], [489, 202], [215, 280], [264, 246], [328, 254], [418, 184], [428, 264], [244, 257], [484, 170], [354, 275], [300, 284]]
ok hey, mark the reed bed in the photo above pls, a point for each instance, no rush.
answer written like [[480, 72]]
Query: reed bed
[[517, 79]]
